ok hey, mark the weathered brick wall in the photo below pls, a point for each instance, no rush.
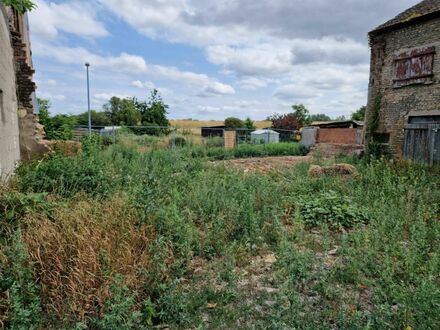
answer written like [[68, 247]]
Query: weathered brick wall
[[337, 135], [396, 103], [9, 132], [230, 139]]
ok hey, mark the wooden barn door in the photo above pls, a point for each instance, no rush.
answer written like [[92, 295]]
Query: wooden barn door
[[422, 143]]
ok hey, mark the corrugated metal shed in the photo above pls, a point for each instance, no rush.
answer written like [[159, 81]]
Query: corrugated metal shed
[[265, 136]]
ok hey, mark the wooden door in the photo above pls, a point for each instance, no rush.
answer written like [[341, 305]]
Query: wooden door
[[422, 143]]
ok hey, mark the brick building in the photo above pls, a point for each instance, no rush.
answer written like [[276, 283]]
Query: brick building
[[403, 110], [21, 137]]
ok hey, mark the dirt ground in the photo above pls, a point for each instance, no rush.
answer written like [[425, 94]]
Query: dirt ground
[[266, 164]]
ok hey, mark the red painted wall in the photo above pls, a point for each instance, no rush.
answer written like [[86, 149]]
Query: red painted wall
[[337, 135]]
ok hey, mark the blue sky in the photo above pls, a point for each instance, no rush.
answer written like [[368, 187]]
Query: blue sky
[[209, 59]]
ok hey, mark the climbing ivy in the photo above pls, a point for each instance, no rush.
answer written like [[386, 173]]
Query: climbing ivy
[[373, 122], [20, 5], [375, 148]]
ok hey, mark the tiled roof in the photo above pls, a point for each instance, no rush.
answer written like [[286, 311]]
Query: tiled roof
[[420, 10]]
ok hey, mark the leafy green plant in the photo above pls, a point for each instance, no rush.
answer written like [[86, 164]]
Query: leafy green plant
[[20, 5], [120, 311], [332, 208], [15, 205], [213, 142], [17, 280], [250, 150], [67, 176], [179, 141]]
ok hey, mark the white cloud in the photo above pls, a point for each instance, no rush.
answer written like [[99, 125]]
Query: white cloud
[[74, 17], [268, 57], [252, 83], [107, 96], [263, 59], [143, 85], [52, 96], [78, 55], [295, 93], [215, 88], [133, 65], [207, 85], [329, 50]]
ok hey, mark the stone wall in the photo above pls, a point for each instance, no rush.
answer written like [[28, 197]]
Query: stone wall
[[391, 106], [9, 129]]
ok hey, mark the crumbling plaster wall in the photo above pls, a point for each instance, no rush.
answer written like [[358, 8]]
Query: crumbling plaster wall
[[9, 128]]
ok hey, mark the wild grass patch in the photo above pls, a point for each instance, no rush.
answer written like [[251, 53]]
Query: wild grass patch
[[117, 238]]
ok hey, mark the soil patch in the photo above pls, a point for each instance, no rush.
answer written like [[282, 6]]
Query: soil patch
[[265, 164]]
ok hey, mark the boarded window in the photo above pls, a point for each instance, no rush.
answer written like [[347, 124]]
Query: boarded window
[[414, 66]]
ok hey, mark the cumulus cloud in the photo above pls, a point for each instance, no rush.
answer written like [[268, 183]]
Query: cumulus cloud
[[216, 88], [78, 18], [277, 52], [135, 65], [143, 85], [104, 97], [257, 59], [252, 83], [295, 93], [329, 50], [207, 85], [79, 55], [236, 21]]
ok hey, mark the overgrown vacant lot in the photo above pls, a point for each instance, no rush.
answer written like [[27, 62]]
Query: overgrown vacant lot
[[117, 239]]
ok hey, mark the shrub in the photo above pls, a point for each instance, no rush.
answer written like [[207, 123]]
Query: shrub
[[119, 311], [287, 122], [214, 141], [233, 122], [14, 206], [250, 150], [179, 141], [332, 208], [16, 279], [67, 176]]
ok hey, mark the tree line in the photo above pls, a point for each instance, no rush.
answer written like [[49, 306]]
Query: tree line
[[299, 117], [116, 112]]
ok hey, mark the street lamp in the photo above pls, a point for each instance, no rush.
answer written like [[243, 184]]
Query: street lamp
[[88, 98]]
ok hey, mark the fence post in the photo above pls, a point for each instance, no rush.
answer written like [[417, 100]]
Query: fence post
[[173, 138]]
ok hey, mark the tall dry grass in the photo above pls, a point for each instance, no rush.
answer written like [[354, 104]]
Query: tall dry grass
[[78, 253]]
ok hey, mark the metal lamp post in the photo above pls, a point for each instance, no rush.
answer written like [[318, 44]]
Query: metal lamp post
[[88, 99]]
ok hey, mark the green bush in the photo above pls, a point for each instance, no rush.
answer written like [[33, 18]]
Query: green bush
[[214, 141], [67, 176], [120, 311], [250, 150], [16, 279], [15, 205], [333, 209], [179, 141]]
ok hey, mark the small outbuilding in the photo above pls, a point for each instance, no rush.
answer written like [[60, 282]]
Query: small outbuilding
[[265, 136], [347, 132], [213, 131]]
